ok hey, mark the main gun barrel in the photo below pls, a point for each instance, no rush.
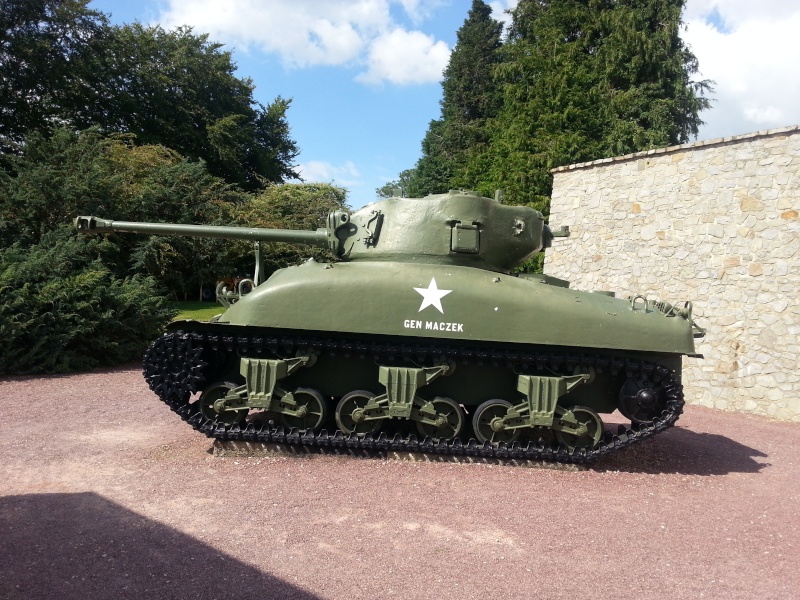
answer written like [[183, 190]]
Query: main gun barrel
[[319, 238]]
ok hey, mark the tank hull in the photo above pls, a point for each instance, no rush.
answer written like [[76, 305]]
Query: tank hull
[[457, 304]]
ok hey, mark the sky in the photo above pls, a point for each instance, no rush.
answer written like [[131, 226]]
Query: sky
[[364, 76]]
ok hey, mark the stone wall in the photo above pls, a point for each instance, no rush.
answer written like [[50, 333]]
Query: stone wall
[[714, 222]]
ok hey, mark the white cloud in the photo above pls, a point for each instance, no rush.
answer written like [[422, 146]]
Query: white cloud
[[750, 51], [405, 57], [346, 175], [421, 10], [738, 12], [500, 10], [306, 33]]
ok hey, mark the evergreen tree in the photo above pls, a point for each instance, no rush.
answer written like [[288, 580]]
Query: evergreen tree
[[586, 79], [64, 310], [69, 174], [468, 100]]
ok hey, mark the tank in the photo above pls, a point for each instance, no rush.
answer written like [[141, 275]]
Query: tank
[[419, 336]]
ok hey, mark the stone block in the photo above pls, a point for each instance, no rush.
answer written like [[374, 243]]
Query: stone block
[[730, 262], [751, 204]]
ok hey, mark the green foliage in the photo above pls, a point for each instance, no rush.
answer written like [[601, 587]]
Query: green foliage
[[40, 42], [291, 206], [294, 206], [177, 89], [575, 80], [469, 99], [587, 79], [170, 134], [163, 187], [435, 169], [400, 187], [63, 63], [69, 174], [56, 179], [75, 302], [63, 310]]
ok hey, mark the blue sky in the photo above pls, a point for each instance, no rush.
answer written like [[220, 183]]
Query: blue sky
[[363, 75]]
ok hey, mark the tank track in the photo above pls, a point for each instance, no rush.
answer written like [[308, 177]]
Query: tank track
[[174, 369]]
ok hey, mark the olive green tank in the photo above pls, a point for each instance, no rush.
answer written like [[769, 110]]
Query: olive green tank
[[420, 337]]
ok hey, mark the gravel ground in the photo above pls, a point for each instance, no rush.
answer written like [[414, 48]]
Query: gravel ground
[[104, 493]]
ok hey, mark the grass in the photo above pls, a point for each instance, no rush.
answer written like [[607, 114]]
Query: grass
[[199, 311]]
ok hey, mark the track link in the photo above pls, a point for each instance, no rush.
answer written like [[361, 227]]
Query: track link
[[174, 369]]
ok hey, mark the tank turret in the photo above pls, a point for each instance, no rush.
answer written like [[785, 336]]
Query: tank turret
[[421, 318], [460, 228]]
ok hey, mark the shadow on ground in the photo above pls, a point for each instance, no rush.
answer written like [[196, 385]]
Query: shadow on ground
[[79, 546], [683, 451]]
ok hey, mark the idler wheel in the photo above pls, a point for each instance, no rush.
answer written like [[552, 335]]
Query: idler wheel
[[488, 423], [350, 413], [592, 426], [312, 409], [449, 420], [208, 400], [640, 400]]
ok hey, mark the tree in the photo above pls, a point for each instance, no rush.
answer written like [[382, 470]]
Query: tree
[[399, 187], [651, 100], [55, 179], [586, 79], [62, 64], [40, 42], [60, 177], [468, 100], [290, 206], [179, 90]]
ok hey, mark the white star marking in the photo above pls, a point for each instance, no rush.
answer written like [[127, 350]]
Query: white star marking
[[432, 296]]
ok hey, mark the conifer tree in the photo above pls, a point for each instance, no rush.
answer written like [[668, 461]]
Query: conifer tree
[[469, 99], [586, 79]]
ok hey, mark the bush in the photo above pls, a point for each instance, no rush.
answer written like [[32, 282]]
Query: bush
[[63, 310]]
